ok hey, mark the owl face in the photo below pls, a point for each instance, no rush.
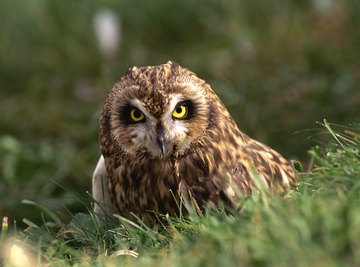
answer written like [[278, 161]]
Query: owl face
[[157, 111]]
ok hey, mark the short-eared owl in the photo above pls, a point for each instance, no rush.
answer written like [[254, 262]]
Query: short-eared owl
[[165, 135]]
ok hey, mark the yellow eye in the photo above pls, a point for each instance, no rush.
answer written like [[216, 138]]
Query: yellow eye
[[136, 115], [180, 112]]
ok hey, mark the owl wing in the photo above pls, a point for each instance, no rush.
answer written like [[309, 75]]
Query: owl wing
[[100, 191], [259, 167], [274, 171], [249, 167]]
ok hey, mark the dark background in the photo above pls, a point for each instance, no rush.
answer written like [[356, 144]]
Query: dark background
[[279, 66]]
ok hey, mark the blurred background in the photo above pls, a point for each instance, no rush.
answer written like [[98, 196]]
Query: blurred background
[[279, 66]]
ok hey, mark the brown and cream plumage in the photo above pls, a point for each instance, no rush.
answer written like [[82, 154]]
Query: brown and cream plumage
[[165, 134]]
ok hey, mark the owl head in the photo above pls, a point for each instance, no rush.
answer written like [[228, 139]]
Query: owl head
[[157, 111]]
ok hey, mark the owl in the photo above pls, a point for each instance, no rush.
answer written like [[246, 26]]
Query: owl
[[168, 143]]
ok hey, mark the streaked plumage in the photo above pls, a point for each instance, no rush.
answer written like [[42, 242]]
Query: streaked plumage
[[164, 133]]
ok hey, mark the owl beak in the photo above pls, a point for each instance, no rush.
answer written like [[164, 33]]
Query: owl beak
[[160, 138], [161, 143]]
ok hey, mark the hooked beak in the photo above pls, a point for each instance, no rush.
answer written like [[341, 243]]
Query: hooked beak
[[161, 143], [160, 138]]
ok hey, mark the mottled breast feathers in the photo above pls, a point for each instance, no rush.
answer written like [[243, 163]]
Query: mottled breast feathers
[[165, 135]]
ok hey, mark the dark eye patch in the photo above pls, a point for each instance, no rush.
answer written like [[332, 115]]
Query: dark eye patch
[[125, 116]]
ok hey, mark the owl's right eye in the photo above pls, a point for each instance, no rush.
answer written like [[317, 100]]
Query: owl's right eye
[[136, 115], [131, 115]]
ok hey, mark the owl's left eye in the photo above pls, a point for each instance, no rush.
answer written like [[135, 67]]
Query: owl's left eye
[[136, 115], [180, 112]]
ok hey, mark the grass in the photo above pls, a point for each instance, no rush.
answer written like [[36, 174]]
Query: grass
[[318, 224]]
